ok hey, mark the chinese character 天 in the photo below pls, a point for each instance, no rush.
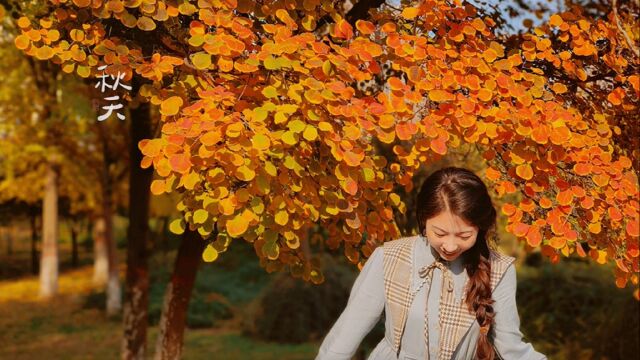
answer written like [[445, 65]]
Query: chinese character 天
[[103, 84]]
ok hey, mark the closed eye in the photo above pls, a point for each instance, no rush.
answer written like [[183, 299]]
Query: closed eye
[[462, 237]]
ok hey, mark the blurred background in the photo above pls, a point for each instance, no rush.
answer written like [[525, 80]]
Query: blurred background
[[568, 310]]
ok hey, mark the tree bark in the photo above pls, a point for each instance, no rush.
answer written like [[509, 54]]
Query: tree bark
[[137, 288], [49, 259], [73, 227], [100, 252], [113, 289], [35, 266], [177, 296], [114, 292]]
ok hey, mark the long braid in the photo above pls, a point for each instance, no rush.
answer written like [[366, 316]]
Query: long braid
[[479, 298]]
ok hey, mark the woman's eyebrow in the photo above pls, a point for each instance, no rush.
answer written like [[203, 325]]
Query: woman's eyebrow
[[461, 232]]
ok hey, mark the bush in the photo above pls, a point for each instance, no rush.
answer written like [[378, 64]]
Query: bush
[[574, 310], [290, 310]]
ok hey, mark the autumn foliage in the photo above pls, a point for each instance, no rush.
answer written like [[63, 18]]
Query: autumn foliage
[[265, 133]]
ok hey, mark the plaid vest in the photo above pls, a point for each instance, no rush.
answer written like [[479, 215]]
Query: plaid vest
[[398, 276]]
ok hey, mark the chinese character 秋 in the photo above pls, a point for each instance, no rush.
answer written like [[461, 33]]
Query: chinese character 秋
[[103, 84]]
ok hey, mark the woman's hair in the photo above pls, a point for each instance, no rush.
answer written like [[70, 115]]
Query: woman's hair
[[464, 194]]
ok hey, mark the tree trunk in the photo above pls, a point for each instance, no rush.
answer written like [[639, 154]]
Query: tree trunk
[[35, 266], [49, 259], [137, 283], [100, 252], [74, 243], [113, 290], [177, 295], [9, 237]]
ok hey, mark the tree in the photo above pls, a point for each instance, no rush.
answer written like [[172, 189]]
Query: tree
[[265, 133]]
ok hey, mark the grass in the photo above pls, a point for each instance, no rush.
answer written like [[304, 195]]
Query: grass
[[72, 325], [65, 328]]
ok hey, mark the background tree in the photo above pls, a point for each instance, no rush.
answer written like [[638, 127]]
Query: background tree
[[264, 133]]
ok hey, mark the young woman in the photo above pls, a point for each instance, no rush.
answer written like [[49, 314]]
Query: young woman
[[446, 294]]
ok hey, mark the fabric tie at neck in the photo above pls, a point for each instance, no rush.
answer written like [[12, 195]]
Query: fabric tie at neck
[[425, 270]]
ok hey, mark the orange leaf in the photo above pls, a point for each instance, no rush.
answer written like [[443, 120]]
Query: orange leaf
[[395, 83], [440, 95], [352, 158], [520, 229], [524, 171], [180, 163], [632, 227], [557, 242], [615, 97], [439, 146], [508, 209], [349, 185], [406, 130], [534, 238], [565, 197], [171, 106], [559, 88], [365, 27], [342, 29], [158, 187]]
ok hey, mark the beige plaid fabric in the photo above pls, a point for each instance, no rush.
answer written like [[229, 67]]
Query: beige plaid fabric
[[455, 319]]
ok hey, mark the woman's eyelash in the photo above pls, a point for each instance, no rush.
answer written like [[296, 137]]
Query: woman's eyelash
[[464, 237]]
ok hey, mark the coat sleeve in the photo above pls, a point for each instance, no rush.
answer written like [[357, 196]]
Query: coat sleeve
[[508, 338], [362, 312]]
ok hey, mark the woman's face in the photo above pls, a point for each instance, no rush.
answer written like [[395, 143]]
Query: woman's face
[[450, 235]]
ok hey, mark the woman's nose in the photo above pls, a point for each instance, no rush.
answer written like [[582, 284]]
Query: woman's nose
[[450, 248]]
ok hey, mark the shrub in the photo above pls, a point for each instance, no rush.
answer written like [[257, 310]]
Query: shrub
[[290, 310]]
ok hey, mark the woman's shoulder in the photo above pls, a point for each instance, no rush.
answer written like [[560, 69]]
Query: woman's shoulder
[[499, 258], [399, 243]]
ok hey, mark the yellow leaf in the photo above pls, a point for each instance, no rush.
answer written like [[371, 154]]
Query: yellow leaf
[[282, 217], [369, 175], [296, 125], [270, 92], [177, 226], [171, 106], [146, 23], [83, 71], [210, 254], [410, 12], [245, 173], [44, 53], [270, 63], [310, 133], [201, 60], [260, 114], [327, 67], [290, 138], [200, 216], [309, 22], [261, 141]]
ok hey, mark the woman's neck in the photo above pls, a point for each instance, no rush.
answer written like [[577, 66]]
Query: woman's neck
[[454, 265]]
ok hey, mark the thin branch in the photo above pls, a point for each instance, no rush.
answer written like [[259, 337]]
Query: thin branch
[[624, 33]]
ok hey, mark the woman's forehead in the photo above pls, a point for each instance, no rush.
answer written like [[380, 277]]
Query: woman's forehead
[[448, 221]]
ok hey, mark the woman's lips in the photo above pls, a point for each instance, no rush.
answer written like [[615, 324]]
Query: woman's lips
[[449, 254]]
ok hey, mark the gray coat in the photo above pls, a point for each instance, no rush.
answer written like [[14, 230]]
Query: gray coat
[[367, 300]]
